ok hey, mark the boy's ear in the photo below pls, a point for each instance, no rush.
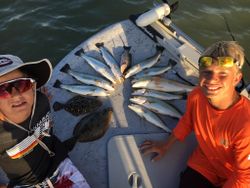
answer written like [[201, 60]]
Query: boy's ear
[[1, 117], [238, 78]]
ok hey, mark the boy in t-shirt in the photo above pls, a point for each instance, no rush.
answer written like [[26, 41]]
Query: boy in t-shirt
[[220, 119]]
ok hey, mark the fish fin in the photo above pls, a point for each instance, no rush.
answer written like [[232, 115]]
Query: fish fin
[[79, 52], [65, 68], [172, 62], [99, 44], [70, 143], [57, 106], [160, 48], [57, 84]]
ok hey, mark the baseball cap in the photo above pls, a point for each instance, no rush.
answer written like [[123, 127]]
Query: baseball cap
[[39, 70]]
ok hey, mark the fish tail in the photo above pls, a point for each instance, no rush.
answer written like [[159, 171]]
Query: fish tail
[[127, 48], [57, 84], [172, 62], [160, 48], [109, 109], [79, 52], [65, 68], [99, 44], [184, 96], [57, 106]]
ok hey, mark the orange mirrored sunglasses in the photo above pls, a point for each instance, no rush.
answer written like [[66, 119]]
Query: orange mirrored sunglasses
[[227, 61]]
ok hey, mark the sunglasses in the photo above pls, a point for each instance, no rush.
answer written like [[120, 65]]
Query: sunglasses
[[20, 84], [226, 61]]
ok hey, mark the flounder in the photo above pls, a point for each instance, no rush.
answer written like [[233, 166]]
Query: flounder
[[78, 105], [93, 126]]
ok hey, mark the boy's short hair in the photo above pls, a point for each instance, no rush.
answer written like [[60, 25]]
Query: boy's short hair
[[226, 48]]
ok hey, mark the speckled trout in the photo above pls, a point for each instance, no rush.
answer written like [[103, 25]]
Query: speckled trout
[[82, 89], [111, 62], [149, 62], [157, 106], [99, 66], [158, 94], [162, 84], [153, 71], [87, 78], [149, 116]]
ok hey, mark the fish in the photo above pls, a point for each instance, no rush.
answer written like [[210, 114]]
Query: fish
[[149, 62], [157, 106], [111, 62], [99, 66], [149, 116], [78, 105], [159, 94], [93, 126], [88, 79], [82, 89], [126, 59], [155, 70], [162, 84]]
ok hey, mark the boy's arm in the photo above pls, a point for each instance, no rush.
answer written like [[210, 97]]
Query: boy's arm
[[183, 128], [160, 148]]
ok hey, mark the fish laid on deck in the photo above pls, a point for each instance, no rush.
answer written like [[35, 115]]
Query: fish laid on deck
[[149, 116], [162, 84], [126, 59], [158, 94], [155, 70], [111, 62], [82, 89], [88, 79], [99, 66], [149, 62], [78, 105], [157, 106], [93, 126]]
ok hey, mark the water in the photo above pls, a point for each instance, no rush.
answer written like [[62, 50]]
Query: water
[[34, 29]]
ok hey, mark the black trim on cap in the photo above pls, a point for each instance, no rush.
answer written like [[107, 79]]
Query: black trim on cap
[[40, 72]]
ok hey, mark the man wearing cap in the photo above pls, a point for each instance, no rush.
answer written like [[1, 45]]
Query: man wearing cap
[[30, 155], [220, 118]]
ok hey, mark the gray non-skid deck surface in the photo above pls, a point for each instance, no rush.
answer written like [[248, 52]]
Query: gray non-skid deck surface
[[124, 159], [92, 158]]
